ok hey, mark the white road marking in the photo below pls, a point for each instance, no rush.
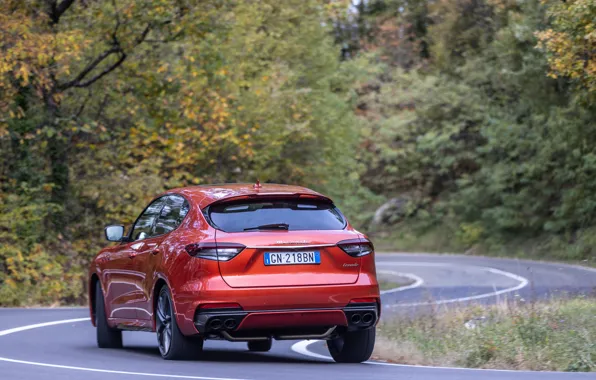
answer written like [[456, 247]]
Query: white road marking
[[523, 282], [66, 321], [110, 371], [45, 324], [302, 348], [417, 281]]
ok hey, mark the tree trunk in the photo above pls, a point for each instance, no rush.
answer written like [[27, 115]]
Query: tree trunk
[[59, 168]]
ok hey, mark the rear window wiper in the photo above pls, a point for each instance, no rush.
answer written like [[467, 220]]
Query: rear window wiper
[[275, 226]]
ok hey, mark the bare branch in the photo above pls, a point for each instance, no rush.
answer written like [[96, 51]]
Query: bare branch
[[114, 66], [63, 7], [57, 10], [103, 73], [102, 105], [77, 80], [114, 34], [143, 35], [82, 107]]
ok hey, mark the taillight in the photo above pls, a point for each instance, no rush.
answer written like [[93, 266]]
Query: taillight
[[214, 251], [356, 247]]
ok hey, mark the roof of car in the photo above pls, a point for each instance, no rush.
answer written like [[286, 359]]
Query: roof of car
[[204, 195]]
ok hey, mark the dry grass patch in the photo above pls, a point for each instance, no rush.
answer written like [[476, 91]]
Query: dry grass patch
[[558, 335]]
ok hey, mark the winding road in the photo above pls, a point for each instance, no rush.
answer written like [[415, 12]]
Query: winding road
[[50, 344]]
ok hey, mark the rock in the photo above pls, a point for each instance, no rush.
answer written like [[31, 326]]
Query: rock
[[391, 211], [475, 322]]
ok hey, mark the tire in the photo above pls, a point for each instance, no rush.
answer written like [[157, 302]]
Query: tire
[[353, 346], [260, 345], [107, 337], [173, 345]]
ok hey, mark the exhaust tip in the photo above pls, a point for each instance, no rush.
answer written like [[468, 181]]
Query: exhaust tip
[[215, 324], [367, 318], [355, 319], [230, 323]]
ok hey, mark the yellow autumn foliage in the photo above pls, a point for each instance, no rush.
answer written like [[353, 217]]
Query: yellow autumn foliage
[[571, 41]]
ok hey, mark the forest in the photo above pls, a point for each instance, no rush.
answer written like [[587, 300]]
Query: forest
[[473, 120]]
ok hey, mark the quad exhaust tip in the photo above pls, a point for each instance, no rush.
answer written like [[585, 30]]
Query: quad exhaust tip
[[362, 319], [367, 318], [230, 323], [215, 324]]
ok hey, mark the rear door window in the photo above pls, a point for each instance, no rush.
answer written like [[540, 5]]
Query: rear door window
[[299, 215], [171, 215]]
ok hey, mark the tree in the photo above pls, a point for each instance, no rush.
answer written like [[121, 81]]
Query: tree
[[571, 41], [105, 104], [56, 53]]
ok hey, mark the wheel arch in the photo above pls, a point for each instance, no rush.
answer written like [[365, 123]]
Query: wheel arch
[[159, 284]]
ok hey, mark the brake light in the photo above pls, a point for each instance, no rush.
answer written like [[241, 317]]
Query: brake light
[[214, 251], [356, 247]]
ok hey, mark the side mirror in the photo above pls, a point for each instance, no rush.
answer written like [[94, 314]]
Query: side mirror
[[114, 232]]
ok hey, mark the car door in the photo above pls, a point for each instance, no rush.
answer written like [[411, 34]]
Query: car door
[[127, 274], [148, 258]]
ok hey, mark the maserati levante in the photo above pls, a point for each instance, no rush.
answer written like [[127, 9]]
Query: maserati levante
[[239, 262]]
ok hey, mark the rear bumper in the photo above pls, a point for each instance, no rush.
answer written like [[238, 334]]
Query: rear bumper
[[274, 307], [238, 325]]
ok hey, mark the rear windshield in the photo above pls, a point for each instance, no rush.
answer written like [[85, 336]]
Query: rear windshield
[[297, 214]]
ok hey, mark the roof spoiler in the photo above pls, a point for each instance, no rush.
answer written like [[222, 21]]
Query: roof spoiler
[[309, 196]]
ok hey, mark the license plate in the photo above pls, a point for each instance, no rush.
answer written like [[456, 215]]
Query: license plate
[[292, 258]]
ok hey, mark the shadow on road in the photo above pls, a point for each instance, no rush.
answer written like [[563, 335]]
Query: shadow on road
[[214, 355]]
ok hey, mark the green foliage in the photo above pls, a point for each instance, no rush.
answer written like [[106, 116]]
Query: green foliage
[[483, 129], [30, 271], [107, 104]]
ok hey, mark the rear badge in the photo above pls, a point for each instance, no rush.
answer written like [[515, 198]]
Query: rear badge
[[350, 265], [292, 242]]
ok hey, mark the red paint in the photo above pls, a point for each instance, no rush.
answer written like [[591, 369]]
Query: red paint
[[363, 300], [294, 319], [220, 305], [129, 272]]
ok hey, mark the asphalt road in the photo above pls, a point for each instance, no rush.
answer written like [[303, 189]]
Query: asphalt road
[[67, 350]]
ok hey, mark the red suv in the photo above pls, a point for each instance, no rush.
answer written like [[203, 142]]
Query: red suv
[[240, 262]]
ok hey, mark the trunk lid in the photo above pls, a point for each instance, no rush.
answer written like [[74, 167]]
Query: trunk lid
[[249, 269]]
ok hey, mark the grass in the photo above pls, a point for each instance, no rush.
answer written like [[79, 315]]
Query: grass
[[557, 335], [415, 237], [387, 281]]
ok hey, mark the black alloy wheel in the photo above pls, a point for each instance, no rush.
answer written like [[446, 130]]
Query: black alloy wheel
[[260, 345], [173, 345], [164, 323], [353, 346], [107, 337]]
